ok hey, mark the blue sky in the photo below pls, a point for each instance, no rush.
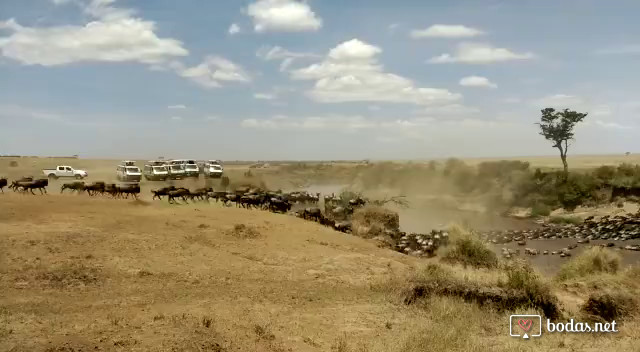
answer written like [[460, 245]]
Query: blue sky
[[321, 79]]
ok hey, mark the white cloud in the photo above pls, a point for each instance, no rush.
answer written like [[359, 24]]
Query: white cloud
[[283, 16], [559, 101], [351, 72], [176, 118], [392, 27], [446, 31], [234, 29], [477, 81], [214, 70], [264, 96], [178, 106], [612, 125], [332, 122], [474, 53], [211, 118], [115, 36], [513, 100], [278, 53], [450, 110]]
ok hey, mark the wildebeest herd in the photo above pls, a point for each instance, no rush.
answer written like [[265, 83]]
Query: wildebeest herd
[[25, 184]]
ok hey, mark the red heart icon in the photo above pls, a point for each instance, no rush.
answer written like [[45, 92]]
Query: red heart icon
[[525, 324]]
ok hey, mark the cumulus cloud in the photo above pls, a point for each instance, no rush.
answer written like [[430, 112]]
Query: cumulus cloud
[[213, 71], [268, 53], [234, 29], [474, 53], [477, 81], [177, 107], [351, 72], [283, 16], [115, 36], [446, 31]]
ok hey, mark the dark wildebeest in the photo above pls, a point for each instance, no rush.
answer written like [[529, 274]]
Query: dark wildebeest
[[39, 184], [14, 184], [342, 226], [3, 184], [179, 193], [279, 206], [312, 214], [73, 186], [201, 193], [129, 189], [111, 189], [162, 192], [95, 188]]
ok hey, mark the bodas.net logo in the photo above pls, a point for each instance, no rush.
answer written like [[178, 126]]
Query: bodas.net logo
[[525, 325]]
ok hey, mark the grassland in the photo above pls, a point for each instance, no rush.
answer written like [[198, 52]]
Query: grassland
[[80, 274]]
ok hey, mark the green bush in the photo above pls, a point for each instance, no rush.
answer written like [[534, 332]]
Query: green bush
[[540, 209], [469, 250]]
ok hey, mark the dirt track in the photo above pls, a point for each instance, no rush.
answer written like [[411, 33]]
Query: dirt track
[[109, 274]]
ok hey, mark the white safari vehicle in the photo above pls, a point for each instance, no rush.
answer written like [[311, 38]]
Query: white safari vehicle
[[64, 171], [128, 171], [213, 169], [156, 171]]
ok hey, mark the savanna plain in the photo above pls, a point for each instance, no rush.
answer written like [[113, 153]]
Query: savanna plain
[[82, 273]]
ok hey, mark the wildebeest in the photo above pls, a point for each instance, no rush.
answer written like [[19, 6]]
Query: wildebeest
[[3, 184], [73, 186], [129, 189], [39, 184], [201, 193], [312, 214], [14, 184], [277, 205], [179, 193], [95, 188], [162, 192]]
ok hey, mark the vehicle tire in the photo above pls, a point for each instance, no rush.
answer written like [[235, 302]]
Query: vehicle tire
[[53, 176], [79, 177]]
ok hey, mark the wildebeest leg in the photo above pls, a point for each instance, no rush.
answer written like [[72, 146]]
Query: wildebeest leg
[[134, 196], [31, 189]]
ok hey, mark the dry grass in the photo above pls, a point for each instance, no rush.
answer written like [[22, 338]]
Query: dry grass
[[468, 250], [593, 261], [81, 273]]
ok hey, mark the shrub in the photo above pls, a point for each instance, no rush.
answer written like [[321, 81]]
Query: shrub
[[609, 306], [372, 221], [521, 277], [592, 261], [13, 163], [605, 173], [469, 250], [540, 209], [565, 220]]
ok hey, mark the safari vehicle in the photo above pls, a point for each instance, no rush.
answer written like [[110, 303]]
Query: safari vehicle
[[156, 171], [176, 171], [189, 166], [128, 173], [64, 171], [213, 170]]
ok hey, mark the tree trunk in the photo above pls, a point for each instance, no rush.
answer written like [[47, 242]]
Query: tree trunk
[[563, 156]]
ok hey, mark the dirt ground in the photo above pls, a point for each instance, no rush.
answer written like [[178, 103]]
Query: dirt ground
[[81, 273]]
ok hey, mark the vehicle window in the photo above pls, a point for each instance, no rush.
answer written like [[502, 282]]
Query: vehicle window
[[133, 169], [60, 168], [68, 169]]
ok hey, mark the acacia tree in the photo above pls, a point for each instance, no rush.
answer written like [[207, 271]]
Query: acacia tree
[[557, 127]]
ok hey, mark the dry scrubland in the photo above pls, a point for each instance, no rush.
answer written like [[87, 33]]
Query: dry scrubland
[[80, 274]]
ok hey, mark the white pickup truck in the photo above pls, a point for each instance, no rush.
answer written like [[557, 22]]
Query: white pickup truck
[[64, 171]]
